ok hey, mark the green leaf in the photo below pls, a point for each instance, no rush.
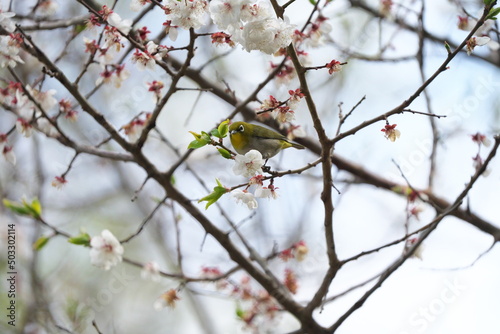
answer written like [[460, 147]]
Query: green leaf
[[200, 140], [41, 242], [225, 153], [240, 313], [223, 128], [196, 136], [492, 15], [215, 133], [488, 2], [17, 208], [82, 239], [33, 209], [79, 28], [214, 196], [447, 46], [196, 144], [36, 208]]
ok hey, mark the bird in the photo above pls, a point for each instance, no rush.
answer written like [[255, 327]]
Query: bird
[[245, 137]]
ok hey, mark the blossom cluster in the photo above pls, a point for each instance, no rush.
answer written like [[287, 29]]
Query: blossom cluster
[[477, 161], [256, 306], [134, 128], [250, 165], [252, 24], [283, 112], [106, 251], [480, 38]]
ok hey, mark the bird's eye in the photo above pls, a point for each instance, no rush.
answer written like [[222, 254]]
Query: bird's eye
[[241, 128]]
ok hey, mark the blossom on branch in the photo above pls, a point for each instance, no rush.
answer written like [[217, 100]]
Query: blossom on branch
[[295, 131], [106, 251], [59, 182], [283, 114], [245, 197], [134, 129], [227, 13], [122, 25], [220, 38], [317, 33], [334, 66], [409, 244], [143, 33], [290, 281], [105, 12], [186, 14], [295, 97], [47, 8], [9, 51], [391, 132], [151, 271], [249, 164], [114, 41], [6, 22], [148, 57], [286, 73], [267, 35], [24, 127], [481, 139], [476, 41], [167, 299], [386, 7], [8, 154], [252, 25], [46, 99], [156, 87], [464, 23], [136, 5], [266, 192]]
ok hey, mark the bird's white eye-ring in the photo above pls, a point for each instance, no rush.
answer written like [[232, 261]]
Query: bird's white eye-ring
[[241, 128]]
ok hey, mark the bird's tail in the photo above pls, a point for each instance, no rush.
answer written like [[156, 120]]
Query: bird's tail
[[297, 146]]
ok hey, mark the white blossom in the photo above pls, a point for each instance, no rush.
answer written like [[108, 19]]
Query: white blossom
[[187, 14], [46, 99], [167, 299], [476, 41], [148, 59], [58, 182], [226, 13], [296, 132], [151, 271], [46, 127], [106, 250], [24, 127], [123, 25], [245, 197], [9, 52], [136, 5], [24, 106], [268, 35], [249, 164], [283, 115], [266, 192], [256, 12], [6, 22], [47, 8], [320, 35], [9, 155]]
